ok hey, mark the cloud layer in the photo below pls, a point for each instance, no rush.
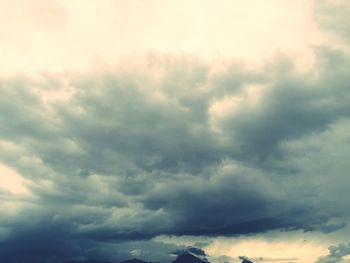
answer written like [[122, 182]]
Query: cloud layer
[[173, 146], [105, 163]]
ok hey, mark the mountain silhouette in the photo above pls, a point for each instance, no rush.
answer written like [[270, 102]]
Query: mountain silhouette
[[185, 258], [136, 260], [188, 258], [86, 261]]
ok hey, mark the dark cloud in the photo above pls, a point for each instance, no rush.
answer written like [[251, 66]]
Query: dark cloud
[[174, 148]]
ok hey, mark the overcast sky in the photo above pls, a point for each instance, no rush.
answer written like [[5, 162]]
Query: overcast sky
[[136, 128]]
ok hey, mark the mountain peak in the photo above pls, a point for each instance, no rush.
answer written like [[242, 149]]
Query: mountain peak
[[188, 258], [136, 260]]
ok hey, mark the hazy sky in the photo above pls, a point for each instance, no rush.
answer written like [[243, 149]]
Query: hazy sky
[[136, 128]]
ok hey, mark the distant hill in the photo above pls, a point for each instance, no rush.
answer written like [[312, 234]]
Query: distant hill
[[188, 258], [185, 258], [136, 260]]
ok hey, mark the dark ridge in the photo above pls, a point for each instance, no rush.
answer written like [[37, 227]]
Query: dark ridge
[[188, 258], [86, 261], [136, 260]]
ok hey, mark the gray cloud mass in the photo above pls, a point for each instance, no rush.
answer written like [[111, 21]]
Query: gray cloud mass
[[129, 155], [336, 253]]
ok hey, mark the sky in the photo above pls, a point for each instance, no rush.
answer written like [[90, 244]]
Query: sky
[[141, 128]]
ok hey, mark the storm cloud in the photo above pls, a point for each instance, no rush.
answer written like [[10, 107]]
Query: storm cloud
[[173, 147], [138, 154]]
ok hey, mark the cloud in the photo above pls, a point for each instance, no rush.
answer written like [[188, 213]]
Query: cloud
[[332, 17], [200, 253], [173, 146], [336, 253]]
